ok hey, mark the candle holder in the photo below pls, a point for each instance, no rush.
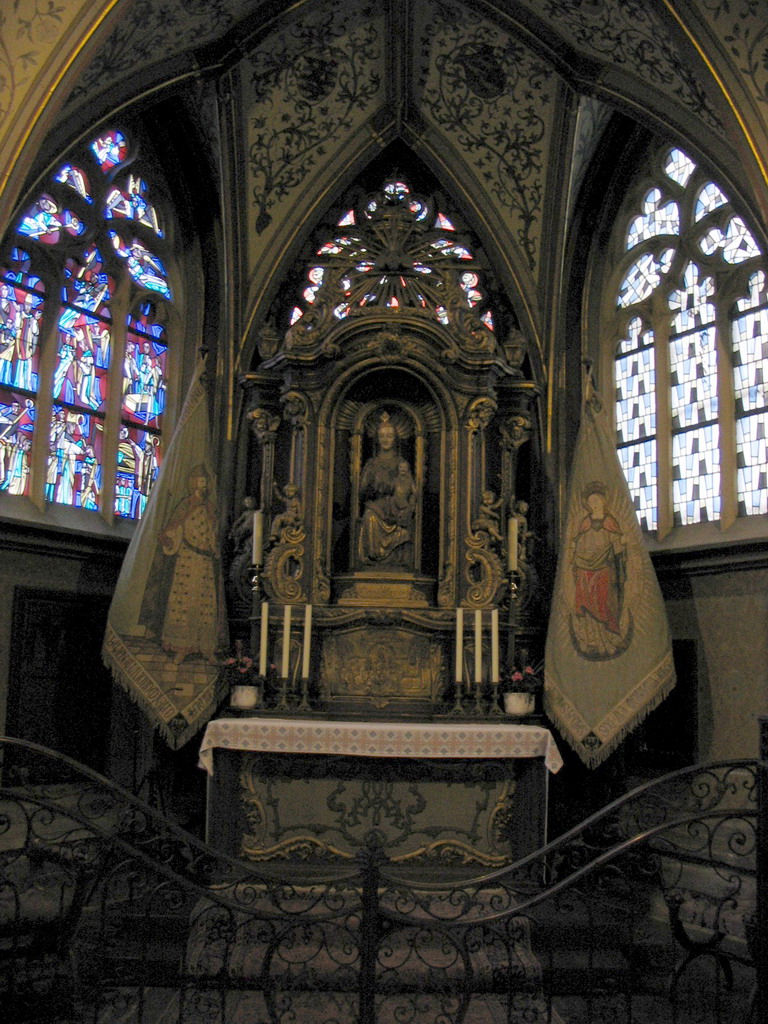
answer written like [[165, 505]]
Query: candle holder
[[304, 704], [256, 571], [283, 703], [476, 709], [458, 690], [512, 575], [494, 709]]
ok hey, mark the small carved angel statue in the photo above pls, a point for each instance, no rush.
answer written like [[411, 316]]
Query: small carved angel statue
[[524, 536], [488, 516], [291, 517], [241, 535]]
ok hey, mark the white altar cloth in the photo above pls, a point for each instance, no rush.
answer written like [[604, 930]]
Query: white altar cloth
[[380, 739]]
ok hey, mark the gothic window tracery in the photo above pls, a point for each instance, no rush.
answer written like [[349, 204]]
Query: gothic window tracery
[[397, 249], [690, 343], [85, 296]]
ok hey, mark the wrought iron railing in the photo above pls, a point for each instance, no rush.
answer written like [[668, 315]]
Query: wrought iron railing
[[108, 912]]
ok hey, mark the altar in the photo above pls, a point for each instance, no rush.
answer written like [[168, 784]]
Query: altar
[[384, 584], [288, 791]]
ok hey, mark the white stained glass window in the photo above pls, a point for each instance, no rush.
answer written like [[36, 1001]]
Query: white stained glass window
[[659, 217], [691, 329]]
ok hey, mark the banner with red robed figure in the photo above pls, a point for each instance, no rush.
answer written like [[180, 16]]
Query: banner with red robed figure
[[608, 656]]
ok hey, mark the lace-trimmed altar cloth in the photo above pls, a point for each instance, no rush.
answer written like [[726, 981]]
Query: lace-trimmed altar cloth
[[380, 739]]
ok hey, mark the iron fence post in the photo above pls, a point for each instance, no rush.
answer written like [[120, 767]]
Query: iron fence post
[[370, 858], [761, 940]]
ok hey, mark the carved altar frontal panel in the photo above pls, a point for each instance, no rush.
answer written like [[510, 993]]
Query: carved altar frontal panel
[[391, 590], [381, 664], [305, 809]]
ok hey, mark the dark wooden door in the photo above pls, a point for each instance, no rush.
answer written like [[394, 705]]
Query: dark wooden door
[[59, 692]]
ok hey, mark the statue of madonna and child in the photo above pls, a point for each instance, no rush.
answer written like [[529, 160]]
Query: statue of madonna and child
[[388, 496]]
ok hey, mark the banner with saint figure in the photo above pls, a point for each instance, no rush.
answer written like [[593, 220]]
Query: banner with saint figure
[[608, 659], [166, 627]]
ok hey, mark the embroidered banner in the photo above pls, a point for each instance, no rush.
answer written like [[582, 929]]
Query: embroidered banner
[[608, 655], [166, 626]]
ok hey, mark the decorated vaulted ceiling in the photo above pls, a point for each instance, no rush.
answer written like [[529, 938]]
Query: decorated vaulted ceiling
[[504, 102]]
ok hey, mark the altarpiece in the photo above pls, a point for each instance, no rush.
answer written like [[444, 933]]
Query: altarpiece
[[387, 434], [386, 426]]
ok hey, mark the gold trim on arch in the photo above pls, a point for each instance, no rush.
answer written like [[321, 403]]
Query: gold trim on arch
[[51, 90], [723, 88]]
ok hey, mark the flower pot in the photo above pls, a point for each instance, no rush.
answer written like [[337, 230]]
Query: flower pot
[[518, 703], [244, 696]]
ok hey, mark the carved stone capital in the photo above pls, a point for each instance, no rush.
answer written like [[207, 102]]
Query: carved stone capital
[[515, 431], [268, 341], [296, 408], [515, 347], [479, 414], [264, 424]]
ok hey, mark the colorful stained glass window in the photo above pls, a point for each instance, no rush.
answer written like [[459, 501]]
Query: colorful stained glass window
[[138, 461], [43, 221], [74, 459], [131, 203], [95, 420], [144, 266], [396, 250], [139, 451], [17, 424], [144, 370], [110, 149], [671, 361], [76, 179], [21, 306]]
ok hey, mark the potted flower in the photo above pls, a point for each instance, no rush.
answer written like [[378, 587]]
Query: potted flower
[[243, 689], [519, 690]]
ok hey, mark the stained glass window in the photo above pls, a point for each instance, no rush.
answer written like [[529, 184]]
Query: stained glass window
[[397, 250], [750, 370], [659, 217], [691, 328], [100, 443]]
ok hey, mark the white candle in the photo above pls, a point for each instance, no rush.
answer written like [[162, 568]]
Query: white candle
[[307, 639], [285, 668], [495, 645], [263, 638], [257, 549], [478, 646], [512, 544], [459, 675]]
